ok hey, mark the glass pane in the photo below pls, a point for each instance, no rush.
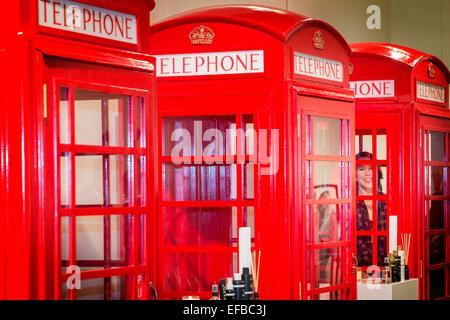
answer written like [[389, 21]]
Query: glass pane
[[327, 226], [248, 219], [382, 215], [248, 178], [119, 288], [437, 284], [327, 296], [436, 178], [382, 250], [437, 221], [64, 291], [198, 227], [142, 229], [364, 175], [91, 237], [327, 136], [93, 289], [250, 135], [327, 179], [190, 272], [121, 168], [141, 182], [89, 180], [364, 211], [308, 133], [90, 240], [308, 179], [65, 236], [348, 215], [363, 142], [437, 249], [64, 122], [381, 145], [199, 136], [102, 119], [140, 123], [328, 268], [65, 179], [364, 248], [382, 180], [437, 146], [196, 183]]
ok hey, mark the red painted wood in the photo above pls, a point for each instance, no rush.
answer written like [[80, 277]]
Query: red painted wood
[[30, 239], [402, 115], [271, 98]]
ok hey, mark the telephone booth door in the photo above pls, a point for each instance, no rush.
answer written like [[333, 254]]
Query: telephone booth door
[[378, 159], [435, 205], [208, 190], [325, 149], [97, 160]]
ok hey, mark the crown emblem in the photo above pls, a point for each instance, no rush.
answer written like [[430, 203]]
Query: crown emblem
[[351, 68], [319, 41], [202, 35], [431, 71]]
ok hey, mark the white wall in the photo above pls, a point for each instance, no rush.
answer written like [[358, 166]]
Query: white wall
[[424, 25]]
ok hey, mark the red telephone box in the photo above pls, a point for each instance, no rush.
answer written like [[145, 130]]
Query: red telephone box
[[280, 80], [76, 149], [403, 121]]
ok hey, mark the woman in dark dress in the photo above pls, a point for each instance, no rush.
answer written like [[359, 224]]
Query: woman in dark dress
[[365, 211]]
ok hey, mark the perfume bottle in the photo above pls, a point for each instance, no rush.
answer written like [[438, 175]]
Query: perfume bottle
[[215, 292], [229, 290], [248, 284], [238, 286], [386, 273]]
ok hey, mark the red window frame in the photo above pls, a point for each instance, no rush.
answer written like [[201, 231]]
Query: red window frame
[[113, 81], [430, 125], [194, 108]]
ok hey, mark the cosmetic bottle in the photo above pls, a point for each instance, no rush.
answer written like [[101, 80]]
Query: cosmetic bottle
[[229, 291], [248, 285], [386, 273], [215, 292], [222, 289], [238, 286]]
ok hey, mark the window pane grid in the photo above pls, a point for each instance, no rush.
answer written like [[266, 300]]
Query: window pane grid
[[117, 140]]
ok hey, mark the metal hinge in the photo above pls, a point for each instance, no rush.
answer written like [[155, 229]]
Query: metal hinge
[[299, 132], [300, 291], [45, 104]]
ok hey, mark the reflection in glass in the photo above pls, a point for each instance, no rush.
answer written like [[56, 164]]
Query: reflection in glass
[[381, 146], [327, 136], [437, 249], [102, 119], [364, 249], [64, 124], [437, 284], [382, 215], [327, 226], [328, 268], [436, 178], [198, 227], [219, 134], [382, 250], [326, 173], [363, 142], [197, 183], [65, 235], [437, 146], [65, 179], [437, 220], [193, 272]]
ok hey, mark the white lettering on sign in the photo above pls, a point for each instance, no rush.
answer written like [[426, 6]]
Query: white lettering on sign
[[81, 18], [373, 89], [316, 67], [212, 63], [429, 92]]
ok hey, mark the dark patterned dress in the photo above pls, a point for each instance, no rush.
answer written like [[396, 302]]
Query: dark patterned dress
[[364, 243]]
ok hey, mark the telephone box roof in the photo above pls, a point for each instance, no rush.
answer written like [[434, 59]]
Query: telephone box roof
[[404, 55], [279, 23]]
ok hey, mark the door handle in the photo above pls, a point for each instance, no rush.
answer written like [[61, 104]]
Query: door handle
[[354, 263]]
